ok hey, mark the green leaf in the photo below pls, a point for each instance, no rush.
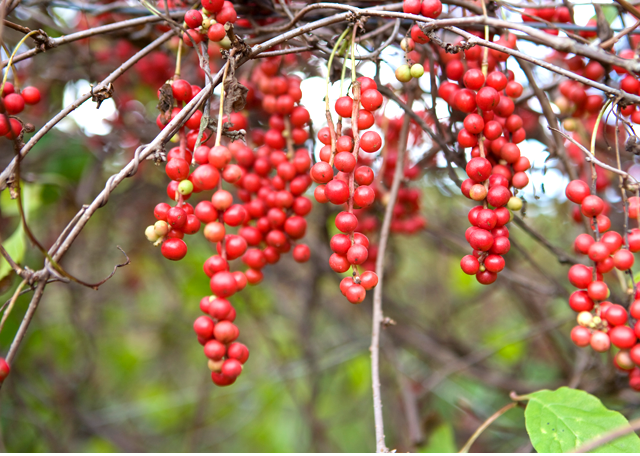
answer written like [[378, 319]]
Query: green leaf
[[441, 440], [560, 421], [16, 246]]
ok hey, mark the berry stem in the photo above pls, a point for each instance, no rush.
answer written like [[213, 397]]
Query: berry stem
[[178, 60], [221, 110], [10, 63], [14, 298]]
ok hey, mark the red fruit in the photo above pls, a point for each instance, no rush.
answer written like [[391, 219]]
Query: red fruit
[[418, 35], [212, 6], [622, 337], [498, 196], [337, 191], [479, 169], [497, 80], [580, 276], [238, 351], [623, 259], [13, 103], [494, 263], [226, 14], [579, 301], [598, 290], [214, 349], [513, 89], [474, 124], [344, 106], [505, 107], [346, 222], [371, 141], [219, 308], [487, 98], [580, 336], [431, 8], [223, 284], [231, 368], [473, 79], [469, 264], [577, 191], [464, 100], [357, 254], [612, 240], [31, 95], [322, 172], [598, 251], [216, 32], [356, 293], [181, 89], [486, 277], [203, 327], [371, 99], [364, 196], [481, 239], [592, 206], [615, 314], [600, 342], [221, 380], [226, 332], [339, 263], [583, 242], [365, 119], [301, 253], [466, 139], [193, 18], [368, 280], [345, 162]]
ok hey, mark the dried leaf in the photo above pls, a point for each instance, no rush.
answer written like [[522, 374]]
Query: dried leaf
[[235, 95], [165, 103]]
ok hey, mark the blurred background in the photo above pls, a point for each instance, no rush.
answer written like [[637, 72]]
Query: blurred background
[[119, 369]]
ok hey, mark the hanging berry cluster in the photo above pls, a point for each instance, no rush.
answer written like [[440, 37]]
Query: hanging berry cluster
[[14, 103], [270, 218], [208, 23], [493, 131], [341, 151], [600, 322]]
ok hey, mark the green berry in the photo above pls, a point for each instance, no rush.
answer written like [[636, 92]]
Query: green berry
[[403, 73], [515, 203], [417, 70], [185, 187], [225, 43]]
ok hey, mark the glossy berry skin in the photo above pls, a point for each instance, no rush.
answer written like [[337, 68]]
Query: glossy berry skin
[[356, 293], [346, 222], [371, 99], [181, 90], [31, 95], [226, 332], [622, 337], [486, 277], [579, 301], [580, 276], [487, 98], [592, 206], [580, 336], [577, 191], [174, 249], [371, 142], [474, 79], [344, 106], [214, 349], [4, 369], [301, 253], [623, 259], [368, 280], [616, 315], [479, 169], [469, 264], [600, 342], [223, 284]]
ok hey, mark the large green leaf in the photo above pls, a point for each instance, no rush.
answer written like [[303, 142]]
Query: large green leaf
[[560, 421]]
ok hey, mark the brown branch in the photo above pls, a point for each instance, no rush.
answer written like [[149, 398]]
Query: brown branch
[[562, 256], [9, 170], [377, 294]]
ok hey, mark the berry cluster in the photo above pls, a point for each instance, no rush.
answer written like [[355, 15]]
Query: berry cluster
[[351, 185], [14, 102], [208, 23], [493, 131], [600, 322], [270, 218]]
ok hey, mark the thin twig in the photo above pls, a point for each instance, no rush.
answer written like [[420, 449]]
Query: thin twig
[[485, 425]]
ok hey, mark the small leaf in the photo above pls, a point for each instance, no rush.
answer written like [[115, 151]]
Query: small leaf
[[16, 247], [560, 421], [441, 440]]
